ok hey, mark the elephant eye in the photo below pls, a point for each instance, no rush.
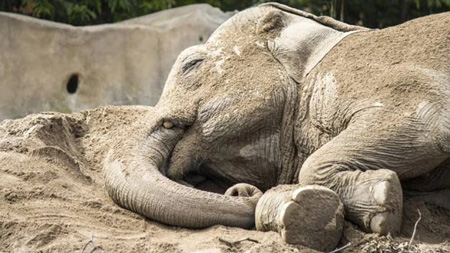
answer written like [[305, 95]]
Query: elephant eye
[[190, 65]]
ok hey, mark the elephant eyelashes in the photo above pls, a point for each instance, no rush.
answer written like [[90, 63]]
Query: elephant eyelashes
[[190, 65]]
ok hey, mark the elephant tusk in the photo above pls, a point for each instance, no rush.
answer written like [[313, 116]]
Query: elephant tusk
[[167, 124]]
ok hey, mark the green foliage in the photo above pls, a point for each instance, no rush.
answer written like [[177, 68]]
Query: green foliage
[[150, 6], [371, 13], [41, 8], [80, 14]]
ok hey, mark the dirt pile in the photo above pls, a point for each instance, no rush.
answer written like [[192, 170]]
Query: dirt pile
[[52, 197]]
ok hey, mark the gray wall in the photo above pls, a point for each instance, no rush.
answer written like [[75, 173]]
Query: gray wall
[[122, 63]]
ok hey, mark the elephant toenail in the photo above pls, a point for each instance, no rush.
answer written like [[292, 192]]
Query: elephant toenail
[[378, 223], [380, 192]]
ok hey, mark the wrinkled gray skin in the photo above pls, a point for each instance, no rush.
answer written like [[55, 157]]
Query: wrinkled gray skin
[[237, 110]]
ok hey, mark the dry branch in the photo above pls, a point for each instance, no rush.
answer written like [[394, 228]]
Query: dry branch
[[415, 229], [94, 247], [234, 243], [341, 248]]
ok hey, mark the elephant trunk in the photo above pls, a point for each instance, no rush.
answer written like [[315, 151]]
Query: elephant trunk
[[134, 181]]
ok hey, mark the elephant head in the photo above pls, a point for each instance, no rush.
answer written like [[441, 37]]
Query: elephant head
[[226, 116]]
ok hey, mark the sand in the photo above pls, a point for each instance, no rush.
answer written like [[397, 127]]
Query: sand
[[53, 199]]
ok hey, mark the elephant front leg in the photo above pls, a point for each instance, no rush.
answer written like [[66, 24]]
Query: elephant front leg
[[363, 165], [312, 216]]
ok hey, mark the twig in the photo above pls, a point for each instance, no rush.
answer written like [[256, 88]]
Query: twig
[[234, 243], [415, 229], [94, 247], [341, 248], [389, 237], [85, 246], [93, 244]]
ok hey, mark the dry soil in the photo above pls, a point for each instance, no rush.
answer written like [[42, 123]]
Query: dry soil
[[52, 197]]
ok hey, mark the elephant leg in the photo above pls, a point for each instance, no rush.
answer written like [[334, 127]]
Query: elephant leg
[[363, 165]]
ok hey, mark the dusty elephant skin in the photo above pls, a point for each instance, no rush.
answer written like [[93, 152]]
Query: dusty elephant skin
[[278, 96]]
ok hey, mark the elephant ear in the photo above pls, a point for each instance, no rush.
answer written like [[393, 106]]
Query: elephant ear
[[299, 40]]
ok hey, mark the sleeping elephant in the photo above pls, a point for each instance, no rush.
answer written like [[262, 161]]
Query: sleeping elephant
[[280, 96]]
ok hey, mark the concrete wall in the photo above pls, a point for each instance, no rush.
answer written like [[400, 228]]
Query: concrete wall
[[122, 63]]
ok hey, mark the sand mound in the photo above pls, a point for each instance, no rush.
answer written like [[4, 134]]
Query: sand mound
[[52, 197]]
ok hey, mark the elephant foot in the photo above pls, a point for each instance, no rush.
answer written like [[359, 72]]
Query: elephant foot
[[314, 215], [311, 216], [378, 201]]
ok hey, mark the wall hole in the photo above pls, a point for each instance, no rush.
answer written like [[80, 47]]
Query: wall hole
[[200, 38], [72, 84]]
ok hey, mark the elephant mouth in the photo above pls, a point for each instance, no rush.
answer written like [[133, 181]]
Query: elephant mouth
[[196, 174], [205, 181], [211, 185]]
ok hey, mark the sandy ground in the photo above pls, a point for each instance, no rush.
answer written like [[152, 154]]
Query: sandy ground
[[52, 197]]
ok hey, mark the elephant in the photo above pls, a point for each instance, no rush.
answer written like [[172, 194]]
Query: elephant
[[278, 96]]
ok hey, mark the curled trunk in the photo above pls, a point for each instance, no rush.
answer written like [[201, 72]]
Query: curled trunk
[[134, 181]]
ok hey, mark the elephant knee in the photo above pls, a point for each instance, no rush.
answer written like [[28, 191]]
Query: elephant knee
[[313, 173], [305, 179], [318, 172]]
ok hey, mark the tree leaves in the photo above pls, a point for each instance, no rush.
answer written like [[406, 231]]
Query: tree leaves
[[371, 13], [80, 14], [41, 8]]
